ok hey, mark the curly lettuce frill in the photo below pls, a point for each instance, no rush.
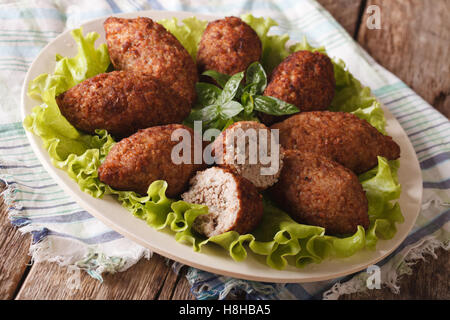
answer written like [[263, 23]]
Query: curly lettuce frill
[[189, 33], [278, 238]]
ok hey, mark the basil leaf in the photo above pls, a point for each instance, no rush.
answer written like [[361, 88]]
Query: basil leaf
[[208, 113], [251, 89], [246, 117], [207, 94], [256, 78], [247, 102], [240, 90], [230, 89], [221, 124], [220, 78], [274, 106], [230, 109]]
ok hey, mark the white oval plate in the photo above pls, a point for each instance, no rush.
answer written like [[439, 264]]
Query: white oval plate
[[213, 258]]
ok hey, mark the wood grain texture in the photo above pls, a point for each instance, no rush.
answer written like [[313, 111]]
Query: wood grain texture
[[145, 280], [430, 279], [346, 12], [414, 44], [176, 287], [13, 255]]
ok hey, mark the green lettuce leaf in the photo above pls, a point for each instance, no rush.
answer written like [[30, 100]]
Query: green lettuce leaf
[[189, 33], [278, 238], [88, 62], [273, 46]]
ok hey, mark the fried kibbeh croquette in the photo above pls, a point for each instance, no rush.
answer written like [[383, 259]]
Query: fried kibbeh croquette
[[145, 46], [340, 136], [122, 103], [317, 191], [241, 148], [228, 46], [234, 202], [135, 162], [304, 79]]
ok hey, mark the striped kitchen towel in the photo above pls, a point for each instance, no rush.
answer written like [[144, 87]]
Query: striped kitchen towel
[[63, 232]]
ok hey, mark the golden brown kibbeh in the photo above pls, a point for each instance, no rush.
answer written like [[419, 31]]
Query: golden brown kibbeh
[[228, 46], [340, 136], [317, 191], [122, 103], [304, 79], [135, 162], [143, 45]]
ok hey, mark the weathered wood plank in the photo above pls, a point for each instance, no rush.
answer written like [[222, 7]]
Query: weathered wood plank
[[144, 280], [430, 280], [346, 12], [14, 255], [414, 43], [177, 287], [183, 291]]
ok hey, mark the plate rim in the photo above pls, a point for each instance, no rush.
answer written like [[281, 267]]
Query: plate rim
[[44, 159]]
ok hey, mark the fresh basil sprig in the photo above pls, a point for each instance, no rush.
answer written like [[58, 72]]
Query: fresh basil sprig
[[235, 99], [230, 88], [220, 78], [256, 79], [215, 106], [207, 93], [273, 106]]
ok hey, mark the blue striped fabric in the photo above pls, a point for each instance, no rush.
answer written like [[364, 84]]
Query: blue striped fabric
[[64, 232]]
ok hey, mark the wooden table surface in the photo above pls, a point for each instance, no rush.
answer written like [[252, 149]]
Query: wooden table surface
[[413, 43]]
